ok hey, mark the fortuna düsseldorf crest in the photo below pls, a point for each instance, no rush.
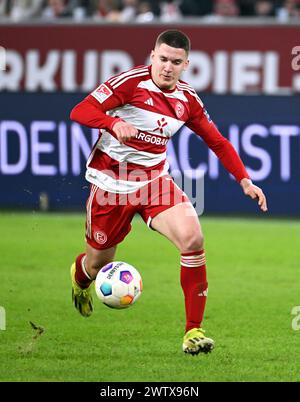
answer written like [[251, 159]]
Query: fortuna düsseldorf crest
[[100, 237], [179, 109]]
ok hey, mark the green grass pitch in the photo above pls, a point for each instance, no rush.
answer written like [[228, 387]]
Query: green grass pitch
[[253, 274]]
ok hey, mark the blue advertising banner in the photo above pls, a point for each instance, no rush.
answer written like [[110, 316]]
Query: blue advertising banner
[[43, 153]]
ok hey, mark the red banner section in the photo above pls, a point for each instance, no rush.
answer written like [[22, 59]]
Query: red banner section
[[223, 60]]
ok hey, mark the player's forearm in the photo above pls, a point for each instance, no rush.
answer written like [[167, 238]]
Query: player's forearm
[[223, 149], [231, 160], [88, 115]]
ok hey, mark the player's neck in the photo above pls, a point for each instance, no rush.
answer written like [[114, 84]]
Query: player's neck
[[167, 90]]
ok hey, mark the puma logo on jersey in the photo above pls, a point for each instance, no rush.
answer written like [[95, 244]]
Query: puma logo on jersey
[[149, 102]]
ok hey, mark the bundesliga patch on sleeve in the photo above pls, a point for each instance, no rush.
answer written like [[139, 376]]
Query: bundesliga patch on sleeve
[[102, 93]]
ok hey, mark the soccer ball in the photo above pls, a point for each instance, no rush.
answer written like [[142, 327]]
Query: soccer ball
[[118, 285]]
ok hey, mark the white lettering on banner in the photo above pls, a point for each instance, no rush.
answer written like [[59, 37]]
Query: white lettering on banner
[[29, 147], [69, 69], [220, 74], [237, 72], [68, 72], [257, 152], [245, 74], [68, 147], [234, 138], [39, 148], [222, 71], [213, 164], [199, 73], [10, 78], [90, 71], [62, 149], [296, 83], [285, 132], [41, 76], [201, 169], [79, 145], [271, 73], [114, 62], [13, 128], [2, 58]]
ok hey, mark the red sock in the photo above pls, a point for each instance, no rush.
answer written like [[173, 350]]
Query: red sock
[[194, 285], [81, 276]]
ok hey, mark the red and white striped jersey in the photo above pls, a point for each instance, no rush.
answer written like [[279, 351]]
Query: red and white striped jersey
[[157, 114]]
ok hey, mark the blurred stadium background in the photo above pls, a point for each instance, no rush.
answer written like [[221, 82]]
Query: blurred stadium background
[[245, 65]]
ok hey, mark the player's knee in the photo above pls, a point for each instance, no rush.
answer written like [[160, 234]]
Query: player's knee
[[192, 241]]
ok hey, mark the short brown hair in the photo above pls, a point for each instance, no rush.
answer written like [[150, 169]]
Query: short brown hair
[[174, 38]]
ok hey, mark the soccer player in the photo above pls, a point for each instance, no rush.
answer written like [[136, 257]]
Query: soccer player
[[137, 112]]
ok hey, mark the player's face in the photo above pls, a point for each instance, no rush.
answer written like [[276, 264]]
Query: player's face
[[167, 65]]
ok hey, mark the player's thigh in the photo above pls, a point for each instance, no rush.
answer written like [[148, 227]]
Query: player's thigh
[[108, 219], [180, 224], [96, 259]]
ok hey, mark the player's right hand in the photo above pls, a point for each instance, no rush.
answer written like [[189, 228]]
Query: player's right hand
[[124, 131], [254, 192]]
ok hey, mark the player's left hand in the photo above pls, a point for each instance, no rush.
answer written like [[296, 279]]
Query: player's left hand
[[254, 192]]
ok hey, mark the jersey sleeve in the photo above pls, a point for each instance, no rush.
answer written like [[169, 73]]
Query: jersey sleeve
[[91, 112], [201, 123]]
